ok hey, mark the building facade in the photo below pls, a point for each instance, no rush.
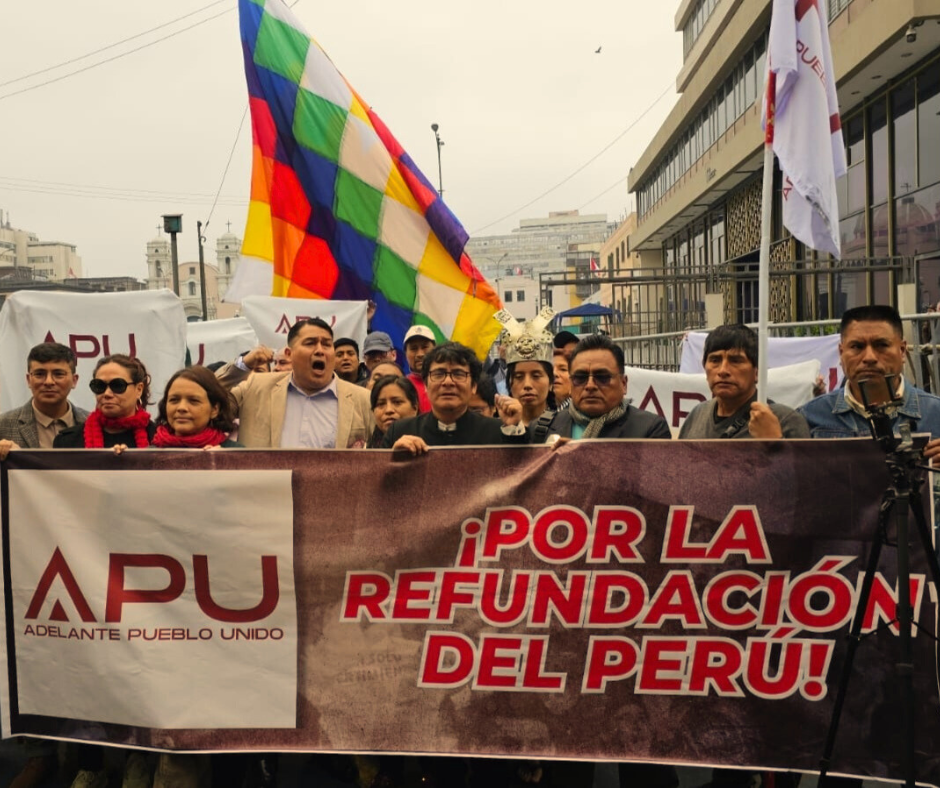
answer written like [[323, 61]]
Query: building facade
[[544, 250], [698, 184], [50, 261], [218, 276]]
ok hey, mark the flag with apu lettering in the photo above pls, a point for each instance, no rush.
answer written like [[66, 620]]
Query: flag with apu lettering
[[338, 209], [808, 133]]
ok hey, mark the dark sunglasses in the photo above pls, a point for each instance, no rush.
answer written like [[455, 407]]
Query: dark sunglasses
[[117, 385], [601, 379]]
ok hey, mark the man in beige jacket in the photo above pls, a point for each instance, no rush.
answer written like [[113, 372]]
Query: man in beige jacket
[[306, 408]]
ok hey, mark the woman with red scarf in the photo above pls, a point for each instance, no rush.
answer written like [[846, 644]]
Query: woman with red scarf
[[196, 412], [122, 392]]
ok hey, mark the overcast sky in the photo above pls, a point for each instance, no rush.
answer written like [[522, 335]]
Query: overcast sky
[[520, 95]]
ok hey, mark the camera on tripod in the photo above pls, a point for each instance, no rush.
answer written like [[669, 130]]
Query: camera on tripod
[[880, 397]]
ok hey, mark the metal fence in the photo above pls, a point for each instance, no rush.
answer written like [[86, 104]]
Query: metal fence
[[664, 351]]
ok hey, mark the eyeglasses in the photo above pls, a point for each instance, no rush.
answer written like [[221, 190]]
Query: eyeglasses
[[602, 378], [456, 375], [58, 375], [117, 385]]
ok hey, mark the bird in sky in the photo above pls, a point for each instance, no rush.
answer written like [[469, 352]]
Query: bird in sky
[[597, 51]]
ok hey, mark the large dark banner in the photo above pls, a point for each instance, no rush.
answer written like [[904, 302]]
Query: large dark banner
[[684, 602]]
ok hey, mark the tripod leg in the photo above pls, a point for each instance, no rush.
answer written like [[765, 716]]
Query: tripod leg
[[923, 529], [905, 615], [854, 638]]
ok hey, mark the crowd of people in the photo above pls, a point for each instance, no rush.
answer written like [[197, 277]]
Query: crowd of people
[[321, 392]]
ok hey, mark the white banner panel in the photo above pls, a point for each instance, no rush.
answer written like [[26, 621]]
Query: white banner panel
[[781, 351], [673, 394], [149, 324], [271, 317], [219, 340], [138, 586]]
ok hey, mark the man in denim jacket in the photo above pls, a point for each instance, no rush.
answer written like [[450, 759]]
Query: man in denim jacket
[[872, 347]]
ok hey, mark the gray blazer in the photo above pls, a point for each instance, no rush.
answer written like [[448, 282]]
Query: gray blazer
[[19, 425]]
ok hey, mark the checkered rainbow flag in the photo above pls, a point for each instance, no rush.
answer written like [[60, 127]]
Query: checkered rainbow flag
[[338, 210]]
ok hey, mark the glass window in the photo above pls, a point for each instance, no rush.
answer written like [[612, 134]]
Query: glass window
[[684, 252], [520, 296], [730, 113], [878, 129], [507, 296], [905, 135], [917, 227], [855, 153], [717, 249], [928, 124], [720, 114], [852, 233], [750, 79]]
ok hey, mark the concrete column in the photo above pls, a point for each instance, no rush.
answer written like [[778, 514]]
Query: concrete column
[[714, 310]]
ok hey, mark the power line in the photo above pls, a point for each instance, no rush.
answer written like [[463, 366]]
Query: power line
[[598, 196], [228, 163], [113, 58], [582, 167], [109, 46], [112, 193]]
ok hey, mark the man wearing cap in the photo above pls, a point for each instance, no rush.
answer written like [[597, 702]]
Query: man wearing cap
[[377, 348], [565, 341], [418, 341], [348, 367]]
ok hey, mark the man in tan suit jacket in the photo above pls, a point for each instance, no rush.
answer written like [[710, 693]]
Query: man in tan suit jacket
[[308, 407]]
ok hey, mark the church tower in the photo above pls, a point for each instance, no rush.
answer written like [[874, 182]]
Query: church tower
[[159, 266], [227, 255]]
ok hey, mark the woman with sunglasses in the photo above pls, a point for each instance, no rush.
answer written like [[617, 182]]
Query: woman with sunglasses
[[121, 387]]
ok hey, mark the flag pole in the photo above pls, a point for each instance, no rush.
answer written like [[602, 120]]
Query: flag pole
[[763, 277]]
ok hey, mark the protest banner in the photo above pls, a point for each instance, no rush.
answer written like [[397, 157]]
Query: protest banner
[[599, 601], [673, 395], [271, 318], [219, 340], [149, 324], [781, 352]]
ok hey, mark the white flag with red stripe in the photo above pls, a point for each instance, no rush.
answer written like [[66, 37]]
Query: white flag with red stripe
[[807, 134]]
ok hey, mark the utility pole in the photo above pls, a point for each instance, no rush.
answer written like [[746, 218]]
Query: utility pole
[[440, 144], [202, 273], [173, 224]]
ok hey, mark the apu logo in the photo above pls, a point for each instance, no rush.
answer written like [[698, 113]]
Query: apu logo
[[89, 346], [285, 323], [119, 595]]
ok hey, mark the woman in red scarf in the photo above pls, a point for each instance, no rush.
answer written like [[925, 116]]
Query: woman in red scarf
[[196, 412], [122, 392]]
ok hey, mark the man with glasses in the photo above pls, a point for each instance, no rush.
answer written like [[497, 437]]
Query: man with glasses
[[451, 372], [598, 388], [50, 374]]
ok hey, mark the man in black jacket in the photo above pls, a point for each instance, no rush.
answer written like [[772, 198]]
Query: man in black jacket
[[598, 408], [451, 372]]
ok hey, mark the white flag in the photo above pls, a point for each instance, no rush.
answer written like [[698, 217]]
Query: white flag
[[808, 132]]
